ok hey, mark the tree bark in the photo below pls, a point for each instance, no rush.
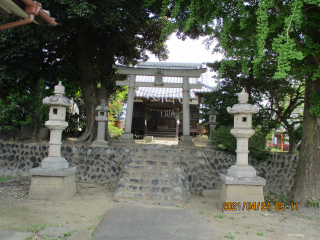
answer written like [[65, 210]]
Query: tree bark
[[89, 87], [307, 184]]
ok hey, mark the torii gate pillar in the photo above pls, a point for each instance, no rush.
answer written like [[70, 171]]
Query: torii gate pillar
[[185, 139], [127, 136]]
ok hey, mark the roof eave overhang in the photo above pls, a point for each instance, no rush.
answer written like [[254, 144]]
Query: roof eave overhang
[[196, 73]]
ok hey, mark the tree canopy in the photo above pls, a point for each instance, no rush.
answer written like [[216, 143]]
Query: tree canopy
[[89, 38], [274, 40]]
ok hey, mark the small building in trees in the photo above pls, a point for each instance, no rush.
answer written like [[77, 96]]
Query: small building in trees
[[162, 105]]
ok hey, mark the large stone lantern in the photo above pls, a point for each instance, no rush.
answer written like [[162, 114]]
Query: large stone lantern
[[56, 124], [212, 123], [102, 118], [54, 180], [241, 184]]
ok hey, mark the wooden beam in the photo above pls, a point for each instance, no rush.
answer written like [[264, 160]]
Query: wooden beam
[[196, 73], [152, 84]]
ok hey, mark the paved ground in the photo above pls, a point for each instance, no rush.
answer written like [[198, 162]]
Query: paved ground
[[128, 221]]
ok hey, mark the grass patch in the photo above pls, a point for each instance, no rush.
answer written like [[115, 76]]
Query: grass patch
[[277, 199], [260, 233], [229, 236], [5, 178], [220, 216], [36, 227]]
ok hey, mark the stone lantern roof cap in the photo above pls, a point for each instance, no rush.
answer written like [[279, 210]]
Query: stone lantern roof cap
[[58, 99], [59, 89], [103, 106], [212, 112], [243, 106]]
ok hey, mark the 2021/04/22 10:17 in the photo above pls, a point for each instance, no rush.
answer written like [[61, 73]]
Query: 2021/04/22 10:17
[[263, 206]]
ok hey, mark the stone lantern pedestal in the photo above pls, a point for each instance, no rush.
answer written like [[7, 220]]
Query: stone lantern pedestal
[[241, 185], [54, 179]]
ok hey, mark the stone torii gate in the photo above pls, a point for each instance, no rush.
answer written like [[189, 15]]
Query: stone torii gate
[[127, 136]]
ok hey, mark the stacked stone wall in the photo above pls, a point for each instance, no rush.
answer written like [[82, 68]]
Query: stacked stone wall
[[103, 165]]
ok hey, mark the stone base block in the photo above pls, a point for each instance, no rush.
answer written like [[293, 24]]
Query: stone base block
[[100, 143], [54, 163], [186, 141], [235, 190], [53, 184], [149, 138], [126, 138], [242, 171]]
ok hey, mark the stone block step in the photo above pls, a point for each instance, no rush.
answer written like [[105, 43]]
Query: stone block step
[[153, 198], [153, 176]]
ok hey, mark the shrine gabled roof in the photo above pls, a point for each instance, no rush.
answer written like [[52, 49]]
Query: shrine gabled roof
[[168, 93]]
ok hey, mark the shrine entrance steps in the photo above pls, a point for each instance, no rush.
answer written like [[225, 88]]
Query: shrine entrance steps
[[169, 133], [153, 176]]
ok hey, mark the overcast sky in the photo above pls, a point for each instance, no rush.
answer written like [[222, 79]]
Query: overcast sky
[[188, 51]]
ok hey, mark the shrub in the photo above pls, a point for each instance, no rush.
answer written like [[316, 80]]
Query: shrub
[[114, 131], [226, 141]]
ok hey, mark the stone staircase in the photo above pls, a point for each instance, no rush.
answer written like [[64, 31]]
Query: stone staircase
[[153, 176], [170, 133]]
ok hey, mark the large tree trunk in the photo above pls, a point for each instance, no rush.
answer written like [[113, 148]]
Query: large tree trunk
[[307, 184], [89, 87]]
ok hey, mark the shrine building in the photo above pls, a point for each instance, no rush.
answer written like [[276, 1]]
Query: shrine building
[[158, 93]]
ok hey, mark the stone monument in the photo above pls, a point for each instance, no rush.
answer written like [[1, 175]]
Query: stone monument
[[54, 179], [212, 123], [240, 184], [102, 119]]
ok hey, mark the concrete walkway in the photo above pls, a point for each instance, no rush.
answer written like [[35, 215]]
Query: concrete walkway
[[140, 222], [143, 222]]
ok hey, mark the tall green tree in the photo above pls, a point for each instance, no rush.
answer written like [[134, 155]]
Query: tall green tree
[[286, 32], [90, 37], [277, 101]]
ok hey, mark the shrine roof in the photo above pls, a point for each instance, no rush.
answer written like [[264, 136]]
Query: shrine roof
[[168, 93]]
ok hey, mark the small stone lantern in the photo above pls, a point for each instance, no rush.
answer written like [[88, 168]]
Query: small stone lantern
[[54, 180], [102, 118], [241, 184], [212, 123]]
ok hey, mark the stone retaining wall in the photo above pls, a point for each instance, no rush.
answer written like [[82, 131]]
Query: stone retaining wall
[[202, 167]]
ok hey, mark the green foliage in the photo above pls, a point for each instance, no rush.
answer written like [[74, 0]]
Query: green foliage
[[115, 132], [272, 198], [5, 178], [315, 101], [298, 133], [36, 227], [22, 104], [220, 216], [314, 203], [89, 38], [229, 236], [146, 116], [117, 101], [226, 141], [257, 147]]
